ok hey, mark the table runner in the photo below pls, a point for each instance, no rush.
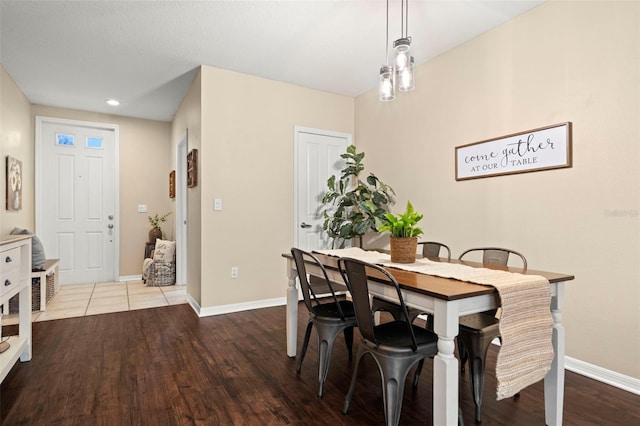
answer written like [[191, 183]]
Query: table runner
[[526, 324]]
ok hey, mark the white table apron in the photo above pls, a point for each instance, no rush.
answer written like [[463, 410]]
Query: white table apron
[[445, 364]]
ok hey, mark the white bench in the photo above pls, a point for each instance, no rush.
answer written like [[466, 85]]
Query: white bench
[[51, 266]]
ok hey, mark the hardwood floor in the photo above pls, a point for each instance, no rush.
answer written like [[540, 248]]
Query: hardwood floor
[[166, 366]]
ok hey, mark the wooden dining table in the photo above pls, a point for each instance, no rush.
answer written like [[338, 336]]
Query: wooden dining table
[[447, 300]]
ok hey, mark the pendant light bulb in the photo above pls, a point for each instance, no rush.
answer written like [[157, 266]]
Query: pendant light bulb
[[387, 86], [405, 77]]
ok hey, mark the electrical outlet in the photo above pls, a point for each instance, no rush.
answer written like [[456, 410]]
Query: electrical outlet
[[234, 272]]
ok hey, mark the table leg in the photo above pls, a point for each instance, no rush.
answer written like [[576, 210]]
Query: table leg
[[554, 380], [24, 315], [445, 364], [292, 313]]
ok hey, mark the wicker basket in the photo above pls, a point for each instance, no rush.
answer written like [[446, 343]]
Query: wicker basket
[[403, 250], [35, 294]]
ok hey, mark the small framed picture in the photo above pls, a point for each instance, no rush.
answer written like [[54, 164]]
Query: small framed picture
[[192, 168], [14, 184], [172, 184]]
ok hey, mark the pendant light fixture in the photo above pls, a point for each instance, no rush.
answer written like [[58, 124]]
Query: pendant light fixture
[[403, 63], [387, 86]]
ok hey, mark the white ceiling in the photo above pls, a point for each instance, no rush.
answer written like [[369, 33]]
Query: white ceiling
[[75, 54]]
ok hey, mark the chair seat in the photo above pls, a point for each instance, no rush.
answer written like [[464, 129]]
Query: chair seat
[[329, 310], [481, 323], [394, 335]]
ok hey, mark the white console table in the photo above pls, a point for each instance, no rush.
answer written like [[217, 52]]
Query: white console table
[[15, 278]]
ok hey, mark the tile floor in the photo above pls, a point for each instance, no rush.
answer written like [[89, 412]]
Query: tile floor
[[93, 299]]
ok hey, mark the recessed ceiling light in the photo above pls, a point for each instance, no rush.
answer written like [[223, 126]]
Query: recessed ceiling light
[[112, 102]]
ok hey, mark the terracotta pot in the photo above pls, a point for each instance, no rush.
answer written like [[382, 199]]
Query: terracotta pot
[[154, 234], [403, 250]]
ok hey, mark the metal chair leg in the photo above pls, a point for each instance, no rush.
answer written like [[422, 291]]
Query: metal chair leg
[[307, 334]]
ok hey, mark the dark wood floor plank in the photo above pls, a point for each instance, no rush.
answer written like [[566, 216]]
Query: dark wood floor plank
[[166, 366]]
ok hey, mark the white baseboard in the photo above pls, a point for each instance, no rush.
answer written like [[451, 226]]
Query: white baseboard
[[194, 305], [130, 278], [603, 375], [600, 374], [238, 307]]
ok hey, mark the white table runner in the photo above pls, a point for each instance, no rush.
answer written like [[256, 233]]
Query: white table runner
[[526, 325]]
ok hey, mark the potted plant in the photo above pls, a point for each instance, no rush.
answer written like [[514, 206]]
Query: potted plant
[[155, 222], [404, 234], [353, 206]]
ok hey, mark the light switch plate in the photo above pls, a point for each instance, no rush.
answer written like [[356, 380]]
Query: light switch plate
[[142, 208], [217, 204]]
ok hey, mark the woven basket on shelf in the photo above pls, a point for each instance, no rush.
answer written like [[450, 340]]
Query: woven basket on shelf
[[403, 250]]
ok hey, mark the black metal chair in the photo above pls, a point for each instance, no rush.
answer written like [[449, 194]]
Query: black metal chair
[[433, 249], [395, 346], [330, 317], [477, 331]]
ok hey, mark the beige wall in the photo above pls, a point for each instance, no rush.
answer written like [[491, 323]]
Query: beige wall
[[16, 140], [247, 160], [144, 178], [562, 61], [188, 119]]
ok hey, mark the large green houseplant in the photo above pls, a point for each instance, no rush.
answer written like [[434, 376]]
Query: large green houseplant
[[353, 206], [404, 234]]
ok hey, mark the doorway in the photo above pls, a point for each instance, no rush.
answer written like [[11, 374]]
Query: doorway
[[77, 192], [317, 157]]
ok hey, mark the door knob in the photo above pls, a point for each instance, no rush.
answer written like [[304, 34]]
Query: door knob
[[110, 226], [305, 225]]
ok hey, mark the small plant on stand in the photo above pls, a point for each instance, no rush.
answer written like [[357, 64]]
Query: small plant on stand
[[156, 231]]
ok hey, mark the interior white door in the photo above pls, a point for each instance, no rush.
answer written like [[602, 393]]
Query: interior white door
[[317, 158], [76, 211]]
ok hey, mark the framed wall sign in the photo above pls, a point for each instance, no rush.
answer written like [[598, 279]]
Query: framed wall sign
[[192, 168], [544, 148], [172, 184]]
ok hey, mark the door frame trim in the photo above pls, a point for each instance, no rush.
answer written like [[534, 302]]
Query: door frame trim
[[181, 207], [297, 130], [40, 120]]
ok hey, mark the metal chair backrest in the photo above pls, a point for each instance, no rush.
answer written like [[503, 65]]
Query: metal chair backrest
[[310, 299], [496, 256], [432, 249], [355, 272]]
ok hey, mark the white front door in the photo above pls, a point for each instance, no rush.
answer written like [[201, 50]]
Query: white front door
[[317, 157], [76, 197]]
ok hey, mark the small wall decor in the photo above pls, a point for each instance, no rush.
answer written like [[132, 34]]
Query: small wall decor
[[172, 184], [538, 149], [14, 184], [192, 168]]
